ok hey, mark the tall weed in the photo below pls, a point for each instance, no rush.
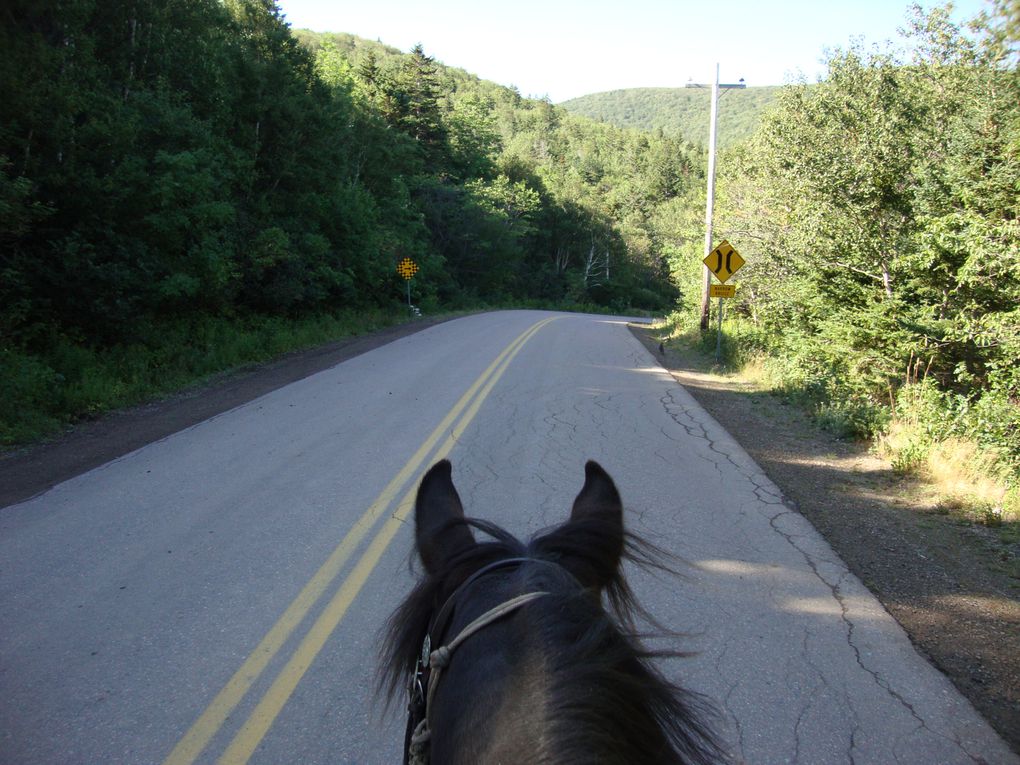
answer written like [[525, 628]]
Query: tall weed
[[956, 445], [969, 448]]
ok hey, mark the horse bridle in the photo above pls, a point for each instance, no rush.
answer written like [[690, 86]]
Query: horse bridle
[[432, 661]]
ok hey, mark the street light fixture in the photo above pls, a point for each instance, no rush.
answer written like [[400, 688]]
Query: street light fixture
[[710, 201]]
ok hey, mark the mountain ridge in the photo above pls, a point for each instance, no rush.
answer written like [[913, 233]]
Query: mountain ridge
[[682, 112]]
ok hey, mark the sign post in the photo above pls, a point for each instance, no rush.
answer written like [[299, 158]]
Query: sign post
[[723, 261], [407, 268], [710, 197]]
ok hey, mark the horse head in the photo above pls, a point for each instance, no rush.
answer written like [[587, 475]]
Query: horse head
[[509, 655]]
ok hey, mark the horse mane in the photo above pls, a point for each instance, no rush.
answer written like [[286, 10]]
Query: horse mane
[[606, 695]]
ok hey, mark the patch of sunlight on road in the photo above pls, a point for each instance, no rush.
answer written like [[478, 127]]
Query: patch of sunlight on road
[[738, 567]]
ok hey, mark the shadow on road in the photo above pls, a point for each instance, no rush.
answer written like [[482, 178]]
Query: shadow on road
[[943, 579]]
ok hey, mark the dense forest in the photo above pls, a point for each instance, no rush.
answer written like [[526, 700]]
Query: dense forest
[[682, 112], [180, 179]]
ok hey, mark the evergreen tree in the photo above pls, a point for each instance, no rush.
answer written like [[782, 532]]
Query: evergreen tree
[[419, 115]]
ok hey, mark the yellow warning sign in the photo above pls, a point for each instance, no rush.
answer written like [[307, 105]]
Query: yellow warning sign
[[407, 268], [722, 290], [724, 261]]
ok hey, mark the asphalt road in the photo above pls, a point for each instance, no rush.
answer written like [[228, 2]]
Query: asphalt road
[[217, 595]]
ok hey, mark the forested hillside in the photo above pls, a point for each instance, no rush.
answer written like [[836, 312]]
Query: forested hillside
[[179, 179], [187, 186], [682, 112]]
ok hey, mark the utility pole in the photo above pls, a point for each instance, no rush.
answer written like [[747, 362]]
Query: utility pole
[[710, 199]]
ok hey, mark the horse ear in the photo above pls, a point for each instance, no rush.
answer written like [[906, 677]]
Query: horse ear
[[598, 498], [591, 544], [438, 515]]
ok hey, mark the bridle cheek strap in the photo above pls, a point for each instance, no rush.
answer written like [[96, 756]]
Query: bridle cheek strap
[[440, 657]]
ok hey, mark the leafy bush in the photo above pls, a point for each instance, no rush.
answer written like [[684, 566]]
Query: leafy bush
[[28, 392]]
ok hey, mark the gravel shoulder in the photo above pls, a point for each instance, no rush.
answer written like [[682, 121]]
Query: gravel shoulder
[[943, 579]]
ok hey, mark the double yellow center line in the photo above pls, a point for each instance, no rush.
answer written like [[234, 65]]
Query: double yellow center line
[[269, 706]]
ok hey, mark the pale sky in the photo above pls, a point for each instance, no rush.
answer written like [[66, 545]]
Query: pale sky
[[568, 48]]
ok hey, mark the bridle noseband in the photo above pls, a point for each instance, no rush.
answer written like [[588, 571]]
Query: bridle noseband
[[432, 661]]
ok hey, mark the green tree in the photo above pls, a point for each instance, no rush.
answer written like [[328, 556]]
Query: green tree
[[416, 91], [878, 210]]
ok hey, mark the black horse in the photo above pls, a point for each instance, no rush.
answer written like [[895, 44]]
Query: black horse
[[509, 655]]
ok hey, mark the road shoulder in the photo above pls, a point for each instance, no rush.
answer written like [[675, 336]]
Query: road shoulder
[[29, 471], [938, 578]]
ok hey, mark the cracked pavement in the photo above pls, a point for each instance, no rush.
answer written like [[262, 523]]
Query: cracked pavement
[[131, 593], [806, 664]]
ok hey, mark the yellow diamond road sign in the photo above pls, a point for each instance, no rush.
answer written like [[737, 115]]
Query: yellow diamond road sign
[[724, 261], [407, 268]]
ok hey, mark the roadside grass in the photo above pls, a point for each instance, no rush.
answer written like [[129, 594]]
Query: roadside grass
[[966, 481], [43, 393]]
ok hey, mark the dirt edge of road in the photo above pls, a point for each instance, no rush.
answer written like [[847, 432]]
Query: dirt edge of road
[[938, 577]]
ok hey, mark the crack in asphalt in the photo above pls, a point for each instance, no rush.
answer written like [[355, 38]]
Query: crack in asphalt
[[678, 412], [850, 630], [849, 626], [809, 702], [769, 495], [721, 671]]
